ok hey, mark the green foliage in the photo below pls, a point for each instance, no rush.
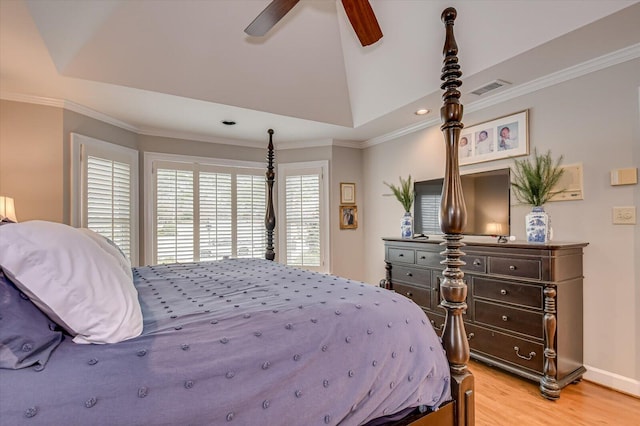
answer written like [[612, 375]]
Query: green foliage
[[534, 180], [403, 193]]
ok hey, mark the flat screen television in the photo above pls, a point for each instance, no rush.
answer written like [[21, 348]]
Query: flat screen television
[[487, 196]]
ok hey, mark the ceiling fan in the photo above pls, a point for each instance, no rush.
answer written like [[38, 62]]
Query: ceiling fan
[[360, 14]]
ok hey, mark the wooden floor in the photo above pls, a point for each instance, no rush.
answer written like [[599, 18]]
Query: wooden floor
[[506, 400]]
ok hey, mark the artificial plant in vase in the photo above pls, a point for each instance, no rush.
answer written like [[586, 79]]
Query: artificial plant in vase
[[533, 184], [404, 194]]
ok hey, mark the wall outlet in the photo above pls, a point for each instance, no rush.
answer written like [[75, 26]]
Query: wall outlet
[[624, 215]]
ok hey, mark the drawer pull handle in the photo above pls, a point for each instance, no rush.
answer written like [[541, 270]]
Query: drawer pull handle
[[423, 257], [505, 318], [503, 292], [477, 262], [438, 328], [528, 358], [470, 336], [401, 255], [512, 267], [409, 274], [409, 294], [436, 289]]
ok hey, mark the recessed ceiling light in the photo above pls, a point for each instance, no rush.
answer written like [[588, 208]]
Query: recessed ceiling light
[[422, 111], [228, 122]]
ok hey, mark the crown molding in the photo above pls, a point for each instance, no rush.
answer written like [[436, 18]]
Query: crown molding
[[614, 58], [31, 99], [173, 134], [610, 59]]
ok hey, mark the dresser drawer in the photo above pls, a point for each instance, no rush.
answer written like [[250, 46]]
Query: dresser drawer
[[475, 264], [408, 275], [429, 258], [419, 295], [401, 255], [512, 319], [515, 350], [525, 268], [508, 292], [437, 321]]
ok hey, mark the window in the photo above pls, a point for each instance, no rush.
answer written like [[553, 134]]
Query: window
[[204, 209], [105, 191], [304, 224], [427, 204]]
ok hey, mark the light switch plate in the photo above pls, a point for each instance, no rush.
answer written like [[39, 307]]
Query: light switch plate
[[624, 215]]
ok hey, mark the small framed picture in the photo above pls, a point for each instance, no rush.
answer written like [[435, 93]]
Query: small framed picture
[[348, 217], [347, 193]]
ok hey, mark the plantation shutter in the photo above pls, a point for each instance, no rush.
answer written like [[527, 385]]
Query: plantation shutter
[[205, 212], [216, 216], [108, 193], [251, 208], [104, 191], [303, 219], [174, 216]]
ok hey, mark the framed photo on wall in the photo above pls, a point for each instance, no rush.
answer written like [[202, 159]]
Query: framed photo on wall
[[348, 217], [496, 139], [347, 193]]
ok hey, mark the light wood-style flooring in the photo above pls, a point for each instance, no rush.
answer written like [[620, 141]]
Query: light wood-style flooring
[[503, 399]]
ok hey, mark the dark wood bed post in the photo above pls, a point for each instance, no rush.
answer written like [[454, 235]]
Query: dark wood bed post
[[453, 216], [270, 217]]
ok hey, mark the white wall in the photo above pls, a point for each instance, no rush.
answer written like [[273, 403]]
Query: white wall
[[593, 119]]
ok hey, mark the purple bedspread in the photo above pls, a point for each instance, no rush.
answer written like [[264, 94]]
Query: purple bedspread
[[242, 342]]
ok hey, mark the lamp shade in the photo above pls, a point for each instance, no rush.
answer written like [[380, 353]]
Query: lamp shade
[[7, 209]]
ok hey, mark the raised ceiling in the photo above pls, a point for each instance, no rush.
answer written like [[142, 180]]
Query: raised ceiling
[[180, 67]]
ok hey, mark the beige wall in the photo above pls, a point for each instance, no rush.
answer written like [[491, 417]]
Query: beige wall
[[594, 120], [31, 160], [347, 254]]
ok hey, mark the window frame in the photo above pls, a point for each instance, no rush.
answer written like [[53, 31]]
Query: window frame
[[151, 159], [81, 148], [288, 169]]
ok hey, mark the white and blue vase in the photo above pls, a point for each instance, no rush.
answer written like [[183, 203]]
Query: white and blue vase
[[538, 226], [406, 225]]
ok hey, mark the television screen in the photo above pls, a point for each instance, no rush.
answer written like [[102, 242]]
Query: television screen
[[487, 196]]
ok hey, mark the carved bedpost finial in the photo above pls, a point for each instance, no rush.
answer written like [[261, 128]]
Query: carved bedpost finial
[[270, 217], [453, 218], [453, 213]]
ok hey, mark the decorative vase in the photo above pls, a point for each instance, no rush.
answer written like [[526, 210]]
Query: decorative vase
[[538, 225], [406, 225]]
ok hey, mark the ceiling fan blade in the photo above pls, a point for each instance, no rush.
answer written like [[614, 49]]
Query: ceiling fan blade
[[363, 21], [270, 16]]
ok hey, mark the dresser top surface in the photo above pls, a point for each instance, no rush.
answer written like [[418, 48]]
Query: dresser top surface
[[470, 241]]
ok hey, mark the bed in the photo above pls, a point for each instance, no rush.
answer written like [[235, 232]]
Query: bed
[[236, 341]]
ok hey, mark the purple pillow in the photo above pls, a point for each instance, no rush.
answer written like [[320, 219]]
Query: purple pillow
[[27, 336]]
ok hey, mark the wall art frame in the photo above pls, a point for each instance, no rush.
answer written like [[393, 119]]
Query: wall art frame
[[502, 137], [347, 193], [348, 217]]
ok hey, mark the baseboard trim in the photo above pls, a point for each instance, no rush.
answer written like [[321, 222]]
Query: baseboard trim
[[612, 380]]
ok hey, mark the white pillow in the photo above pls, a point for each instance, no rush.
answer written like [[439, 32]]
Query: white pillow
[[72, 280], [111, 248]]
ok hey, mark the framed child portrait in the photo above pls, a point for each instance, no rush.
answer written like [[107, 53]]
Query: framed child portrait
[[348, 217]]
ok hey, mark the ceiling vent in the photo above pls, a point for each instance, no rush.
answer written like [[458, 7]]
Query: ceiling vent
[[496, 84]]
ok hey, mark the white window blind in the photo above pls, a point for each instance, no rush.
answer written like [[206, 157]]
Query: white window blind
[[174, 216], [207, 212], [216, 216], [251, 208], [428, 198], [303, 206], [108, 193], [302, 214], [104, 194]]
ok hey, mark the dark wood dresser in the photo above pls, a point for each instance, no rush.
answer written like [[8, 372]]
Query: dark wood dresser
[[524, 303]]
